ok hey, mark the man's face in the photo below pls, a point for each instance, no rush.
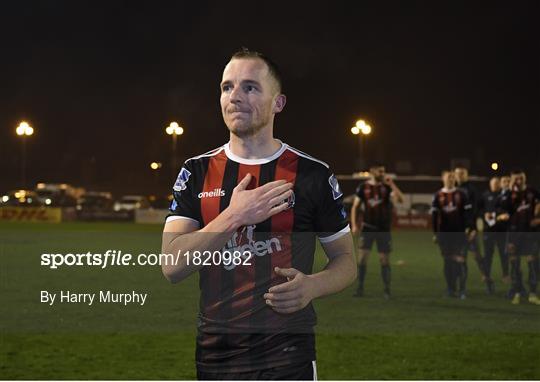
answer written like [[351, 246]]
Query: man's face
[[449, 179], [505, 182], [519, 180], [249, 96], [495, 185], [378, 173], [461, 174]]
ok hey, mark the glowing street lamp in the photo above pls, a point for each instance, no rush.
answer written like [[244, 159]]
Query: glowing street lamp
[[174, 130], [359, 129], [155, 165], [24, 130]]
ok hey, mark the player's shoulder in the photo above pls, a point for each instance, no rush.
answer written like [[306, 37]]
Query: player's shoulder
[[310, 166], [202, 157], [311, 161], [363, 184]]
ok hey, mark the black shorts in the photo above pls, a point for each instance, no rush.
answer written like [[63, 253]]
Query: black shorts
[[382, 238], [306, 371], [452, 243], [523, 243]]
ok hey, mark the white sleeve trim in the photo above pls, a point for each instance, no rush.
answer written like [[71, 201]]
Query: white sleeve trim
[[176, 217], [337, 235]]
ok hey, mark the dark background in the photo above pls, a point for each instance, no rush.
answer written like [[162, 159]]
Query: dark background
[[100, 81]]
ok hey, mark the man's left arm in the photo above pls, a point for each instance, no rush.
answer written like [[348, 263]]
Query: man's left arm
[[332, 228], [397, 195], [300, 289]]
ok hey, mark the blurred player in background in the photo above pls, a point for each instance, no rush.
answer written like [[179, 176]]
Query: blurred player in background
[[453, 228], [494, 234], [462, 179], [522, 211], [371, 214], [505, 185]]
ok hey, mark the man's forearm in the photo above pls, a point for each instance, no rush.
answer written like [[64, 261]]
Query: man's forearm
[[353, 216], [338, 274], [398, 194], [211, 238]]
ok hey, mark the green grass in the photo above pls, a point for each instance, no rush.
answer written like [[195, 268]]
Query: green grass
[[416, 335]]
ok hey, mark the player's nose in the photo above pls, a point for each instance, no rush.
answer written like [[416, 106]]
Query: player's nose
[[235, 96]]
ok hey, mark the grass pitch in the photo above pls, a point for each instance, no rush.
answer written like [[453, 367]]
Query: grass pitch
[[418, 334]]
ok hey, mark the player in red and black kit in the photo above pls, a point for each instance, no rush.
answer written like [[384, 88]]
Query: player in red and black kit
[[268, 202], [371, 214], [453, 227], [463, 182], [494, 233], [522, 211]]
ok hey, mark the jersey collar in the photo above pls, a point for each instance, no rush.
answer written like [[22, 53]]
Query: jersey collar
[[257, 161]]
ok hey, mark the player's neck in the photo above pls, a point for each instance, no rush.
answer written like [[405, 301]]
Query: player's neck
[[256, 147]]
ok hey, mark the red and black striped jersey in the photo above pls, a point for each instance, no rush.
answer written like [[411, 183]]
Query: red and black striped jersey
[[451, 211], [237, 331], [377, 205], [521, 205]]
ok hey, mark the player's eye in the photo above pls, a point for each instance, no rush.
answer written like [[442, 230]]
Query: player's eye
[[250, 88], [226, 88]]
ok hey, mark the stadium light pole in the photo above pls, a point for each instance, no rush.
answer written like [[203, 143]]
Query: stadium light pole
[[361, 128], [174, 130], [24, 130]]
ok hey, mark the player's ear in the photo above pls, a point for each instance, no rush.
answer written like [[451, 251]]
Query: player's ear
[[279, 104]]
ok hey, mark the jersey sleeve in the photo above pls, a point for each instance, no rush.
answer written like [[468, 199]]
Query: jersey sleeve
[[184, 202], [331, 219], [469, 213], [360, 191]]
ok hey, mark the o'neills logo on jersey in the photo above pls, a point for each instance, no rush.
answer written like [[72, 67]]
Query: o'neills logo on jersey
[[449, 208], [374, 202], [246, 244], [212, 194]]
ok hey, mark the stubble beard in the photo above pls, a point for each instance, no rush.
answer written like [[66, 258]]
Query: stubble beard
[[247, 129]]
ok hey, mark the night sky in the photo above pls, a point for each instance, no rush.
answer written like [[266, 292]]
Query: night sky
[[100, 82]]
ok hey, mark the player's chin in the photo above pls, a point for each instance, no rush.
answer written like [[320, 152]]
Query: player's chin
[[240, 128]]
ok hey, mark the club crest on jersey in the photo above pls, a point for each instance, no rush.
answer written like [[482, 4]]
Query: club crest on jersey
[[183, 177], [336, 191], [290, 201]]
